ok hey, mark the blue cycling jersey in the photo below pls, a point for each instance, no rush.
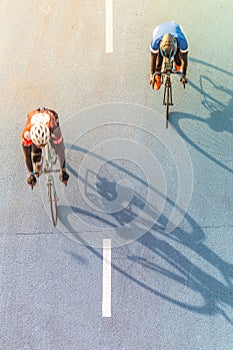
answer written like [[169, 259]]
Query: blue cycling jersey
[[173, 29]]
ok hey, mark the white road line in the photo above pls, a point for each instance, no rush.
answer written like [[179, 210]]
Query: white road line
[[109, 25], [106, 299]]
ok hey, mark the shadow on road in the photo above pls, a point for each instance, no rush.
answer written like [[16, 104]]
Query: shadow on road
[[220, 114], [217, 296], [173, 249]]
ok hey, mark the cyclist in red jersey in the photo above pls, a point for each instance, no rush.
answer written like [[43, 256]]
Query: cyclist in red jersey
[[42, 126]]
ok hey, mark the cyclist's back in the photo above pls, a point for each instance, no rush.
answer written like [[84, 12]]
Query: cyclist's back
[[168, 41], [42, 126], [172, 28]]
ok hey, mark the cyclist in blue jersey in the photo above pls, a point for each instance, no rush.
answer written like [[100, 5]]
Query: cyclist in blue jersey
[[168, 41]]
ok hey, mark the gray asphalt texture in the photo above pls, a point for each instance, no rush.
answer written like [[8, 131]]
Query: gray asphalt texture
[[163, 196]]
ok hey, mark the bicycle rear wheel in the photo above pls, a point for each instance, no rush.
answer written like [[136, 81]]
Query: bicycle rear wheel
[[53, 202]]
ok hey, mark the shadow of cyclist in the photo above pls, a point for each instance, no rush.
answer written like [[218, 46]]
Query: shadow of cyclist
[[219, 119], [178, 267]]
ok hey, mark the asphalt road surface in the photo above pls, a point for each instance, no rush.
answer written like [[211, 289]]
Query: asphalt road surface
[[142, 255]]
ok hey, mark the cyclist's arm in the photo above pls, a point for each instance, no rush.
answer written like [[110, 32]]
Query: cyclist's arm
[[58, 144], [153, 57], [184, 61], [27, 157]]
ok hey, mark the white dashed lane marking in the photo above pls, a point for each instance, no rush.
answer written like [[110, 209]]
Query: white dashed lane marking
[[106, 299], [109, 25]]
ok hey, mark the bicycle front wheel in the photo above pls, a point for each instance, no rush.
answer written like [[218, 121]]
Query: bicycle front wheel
[[53, 203], [167, 105]]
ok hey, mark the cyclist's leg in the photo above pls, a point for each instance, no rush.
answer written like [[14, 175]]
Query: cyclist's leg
[[158, 66], [177, 60]]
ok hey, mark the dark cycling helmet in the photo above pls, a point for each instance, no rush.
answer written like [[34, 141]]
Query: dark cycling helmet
[[168, 46], [40, 134]]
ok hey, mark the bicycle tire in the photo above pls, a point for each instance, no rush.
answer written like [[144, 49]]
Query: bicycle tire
[[167, 105], [53, 203]]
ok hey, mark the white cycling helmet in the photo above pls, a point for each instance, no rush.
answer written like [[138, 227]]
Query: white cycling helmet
[[40, 134], [168, 46]]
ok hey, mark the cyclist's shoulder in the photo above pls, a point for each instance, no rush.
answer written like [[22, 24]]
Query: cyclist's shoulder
[[154, 46], [36, 116], [31, 113], [52, 112]]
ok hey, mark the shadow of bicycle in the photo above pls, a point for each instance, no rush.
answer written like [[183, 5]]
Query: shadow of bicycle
[[173, 251]]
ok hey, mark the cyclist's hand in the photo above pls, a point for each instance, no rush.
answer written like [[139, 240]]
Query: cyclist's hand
[[31, 180], [152, 80], [64, 177], [183, 80]]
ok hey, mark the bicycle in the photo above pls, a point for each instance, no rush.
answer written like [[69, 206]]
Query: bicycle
[[167, 70], [49, 159]]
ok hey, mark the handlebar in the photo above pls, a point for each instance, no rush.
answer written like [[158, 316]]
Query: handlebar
[[182, 80]]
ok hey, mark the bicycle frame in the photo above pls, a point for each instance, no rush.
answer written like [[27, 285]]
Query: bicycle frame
[[167, 70], [49, 157]]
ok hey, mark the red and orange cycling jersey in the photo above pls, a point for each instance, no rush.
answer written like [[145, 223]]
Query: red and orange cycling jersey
[[46, 118]]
